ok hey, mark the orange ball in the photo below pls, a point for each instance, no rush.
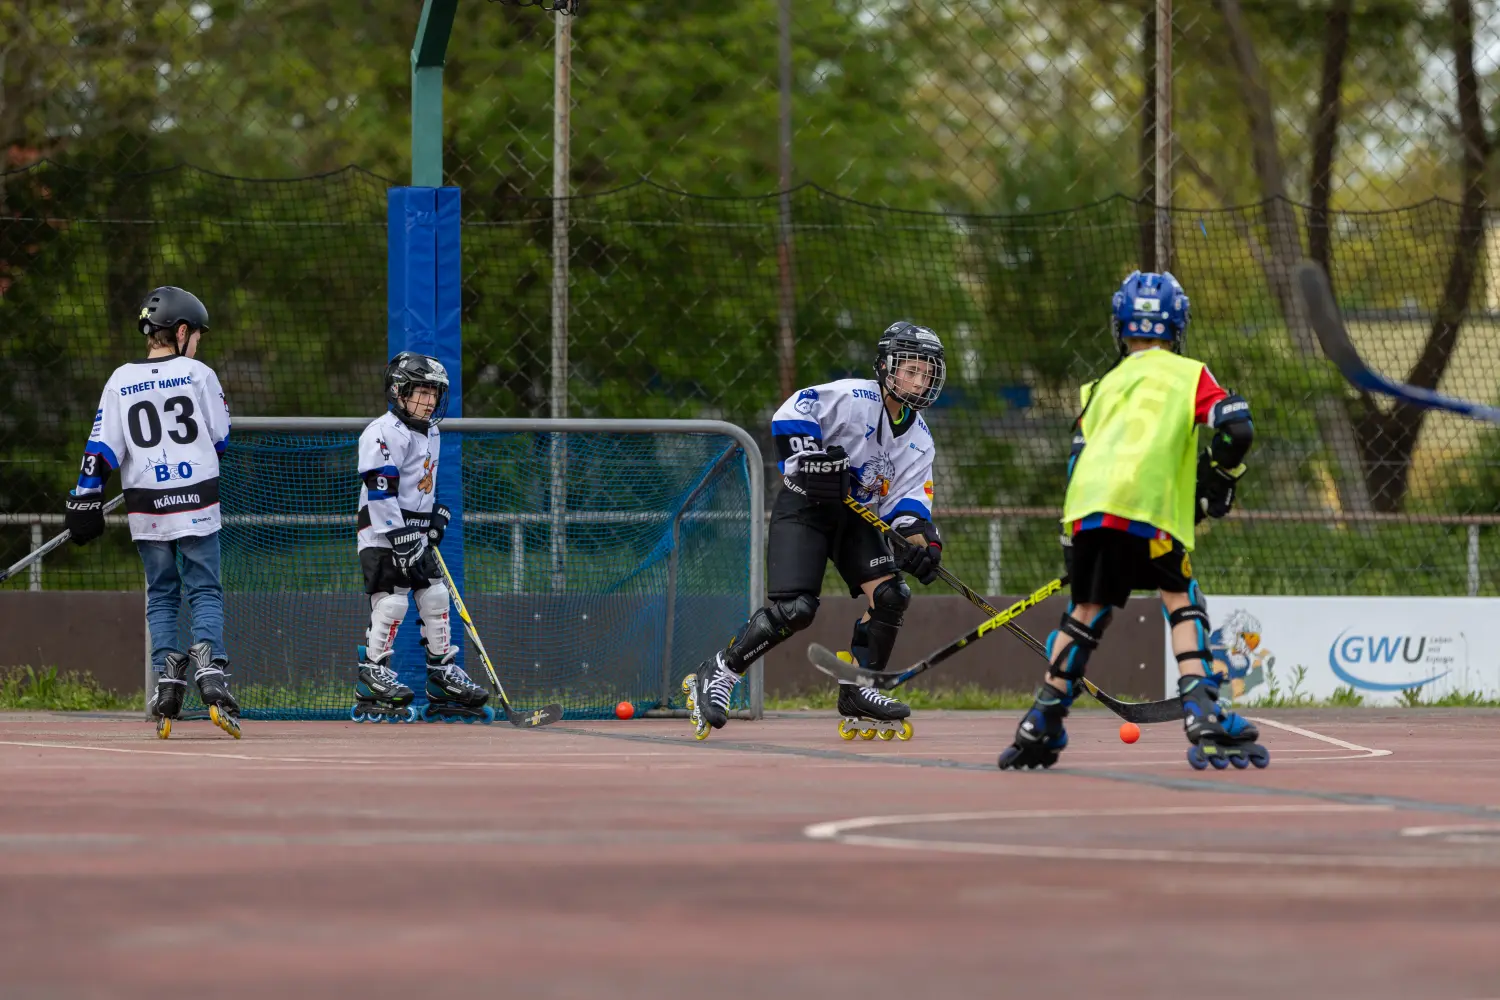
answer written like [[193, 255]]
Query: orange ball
[[1129, 732], [625, 710]]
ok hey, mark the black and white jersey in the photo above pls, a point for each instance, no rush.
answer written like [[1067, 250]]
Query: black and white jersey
[[891, 467], [162, 423], [398, 470]]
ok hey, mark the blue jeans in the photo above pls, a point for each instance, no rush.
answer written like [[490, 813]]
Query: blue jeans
[[199, 575]]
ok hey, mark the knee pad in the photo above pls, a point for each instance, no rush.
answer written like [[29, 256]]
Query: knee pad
[[1195, 615], [386, 614], [432, 605], [771, 625], [887, 611], [1070, 663]]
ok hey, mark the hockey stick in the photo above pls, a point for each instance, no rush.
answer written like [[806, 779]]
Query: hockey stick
[[56, 540], [1141, 713], [1323, 313], [542, 716]]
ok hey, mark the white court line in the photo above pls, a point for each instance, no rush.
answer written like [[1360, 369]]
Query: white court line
[[1363, 751], [415, 761], [838, 831]]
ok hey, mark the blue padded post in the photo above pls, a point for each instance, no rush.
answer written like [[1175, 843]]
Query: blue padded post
[[424, 309]]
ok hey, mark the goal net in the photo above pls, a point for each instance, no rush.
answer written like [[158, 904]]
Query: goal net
[[646, 563]]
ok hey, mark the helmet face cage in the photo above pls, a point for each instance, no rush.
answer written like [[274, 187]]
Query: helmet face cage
[[1151, 306], [906, 347], [409, 371]]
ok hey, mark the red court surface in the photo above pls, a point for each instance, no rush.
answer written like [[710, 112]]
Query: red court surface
[[623, 860]]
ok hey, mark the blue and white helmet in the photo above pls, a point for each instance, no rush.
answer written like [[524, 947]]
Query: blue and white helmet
[[1150, 305]]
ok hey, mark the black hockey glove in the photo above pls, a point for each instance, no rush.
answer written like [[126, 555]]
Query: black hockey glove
[[821, 476], [438, 526], [920, 558], [84, 517], [414, 556], [1216, 486], [921, 561]]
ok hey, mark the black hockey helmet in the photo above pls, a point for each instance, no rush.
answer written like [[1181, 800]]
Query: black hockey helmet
[[410, 370], [166, 307], [905, 341]]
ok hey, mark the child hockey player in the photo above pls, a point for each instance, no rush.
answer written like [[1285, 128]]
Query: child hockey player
[[163, 422], [399, 529], [864, 437], [1136, 488]]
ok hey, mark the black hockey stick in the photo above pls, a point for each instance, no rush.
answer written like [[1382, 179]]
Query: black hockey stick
[[41, 551], [1141, 713], [540, 717], [1323, 313]]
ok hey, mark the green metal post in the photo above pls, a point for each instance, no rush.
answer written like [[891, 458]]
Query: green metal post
[[427, 57]]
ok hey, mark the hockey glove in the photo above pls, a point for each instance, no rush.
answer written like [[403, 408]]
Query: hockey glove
[[438, 526], [821, 476], [1216, 486], [84, 517], [413, 555], [923, 555], [921, 561]]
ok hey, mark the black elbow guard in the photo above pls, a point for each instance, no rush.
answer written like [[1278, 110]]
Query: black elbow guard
[[1234, 431]]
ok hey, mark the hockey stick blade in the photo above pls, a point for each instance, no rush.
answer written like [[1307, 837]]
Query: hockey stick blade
[[532, 720], [1142, 713], [1333, 335]]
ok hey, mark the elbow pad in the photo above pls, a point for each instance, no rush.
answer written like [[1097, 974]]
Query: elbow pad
[[1234, 431]]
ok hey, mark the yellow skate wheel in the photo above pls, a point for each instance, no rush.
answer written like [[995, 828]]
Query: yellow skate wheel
[[700, 734], [163, 727], [905, 733], [867, 734], [886, 734], [847, 729], [224, 721]]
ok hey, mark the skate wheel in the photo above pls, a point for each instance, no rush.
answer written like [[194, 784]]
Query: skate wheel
[[846, 730], [489, 715], [887, 734], [410, 714], [1195, 757], [688, 683], [163, 728], [224, 721], [355, 715], [905, 733], [1219, 763], [867, 734], [1260, 756], [700, 734], [449, 719], [1008, 757], [469, 720], [1239, 762]]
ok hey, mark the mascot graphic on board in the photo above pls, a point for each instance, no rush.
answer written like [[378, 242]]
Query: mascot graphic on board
[[1238, 653]]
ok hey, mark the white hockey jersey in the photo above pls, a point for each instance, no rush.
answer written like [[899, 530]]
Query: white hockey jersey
[[890, 472], [398, 468], [163, 423]]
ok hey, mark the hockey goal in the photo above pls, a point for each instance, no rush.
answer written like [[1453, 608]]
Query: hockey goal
[[601, 560]]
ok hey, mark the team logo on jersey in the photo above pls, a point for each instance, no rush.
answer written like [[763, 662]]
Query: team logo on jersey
[[927, 488], [874, 478], [806, 400], [428, 471], [385, 451], [166, 471]]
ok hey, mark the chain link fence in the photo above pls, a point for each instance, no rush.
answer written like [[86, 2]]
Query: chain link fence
[[989, 168]]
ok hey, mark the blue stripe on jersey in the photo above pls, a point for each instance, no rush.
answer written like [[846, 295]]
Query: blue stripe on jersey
[[104, 451], [797, 427], [910, 506], [219, 446], [1140, 529], [374, 495], [389, 470], [90, 483]]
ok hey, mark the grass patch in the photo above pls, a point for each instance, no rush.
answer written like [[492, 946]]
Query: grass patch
[[25, 689]]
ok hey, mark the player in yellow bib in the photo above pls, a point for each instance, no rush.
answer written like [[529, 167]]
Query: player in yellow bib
[[1137, 485]]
